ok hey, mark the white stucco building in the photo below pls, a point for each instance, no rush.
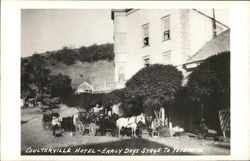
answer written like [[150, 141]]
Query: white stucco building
[[167, 36]]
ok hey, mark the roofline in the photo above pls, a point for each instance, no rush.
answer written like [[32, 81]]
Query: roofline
[[210, 17], [131, 10], [119, 10], [85, 83], [188, 60]]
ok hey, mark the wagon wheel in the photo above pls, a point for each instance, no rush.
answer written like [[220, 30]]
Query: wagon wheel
[[114, 132], [92, 129], [80, 128]]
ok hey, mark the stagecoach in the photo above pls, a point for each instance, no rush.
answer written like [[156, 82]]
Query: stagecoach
[[95, 124]]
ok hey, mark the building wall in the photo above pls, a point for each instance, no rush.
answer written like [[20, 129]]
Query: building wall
[[120, 31], [189, 31]]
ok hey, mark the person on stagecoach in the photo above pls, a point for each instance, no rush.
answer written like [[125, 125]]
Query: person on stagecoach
[[96, 109]]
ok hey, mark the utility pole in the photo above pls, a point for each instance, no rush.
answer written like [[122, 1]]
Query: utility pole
[[214, 25]]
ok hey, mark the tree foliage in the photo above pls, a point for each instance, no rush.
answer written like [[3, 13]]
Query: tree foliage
[[83, 100], [33, 71], [59, 85], [209, 87], [153, 87], [211, 79], [37, 82], [88, 54], [114, 97]]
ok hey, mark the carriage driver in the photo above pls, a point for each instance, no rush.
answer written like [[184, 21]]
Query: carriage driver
[[96, 109]]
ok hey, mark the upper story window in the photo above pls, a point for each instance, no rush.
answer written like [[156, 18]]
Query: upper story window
[[166, 57], [145, 35], [146, 61], [165, 21]]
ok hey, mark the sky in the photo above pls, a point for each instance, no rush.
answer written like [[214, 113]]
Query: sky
[[51, 29]]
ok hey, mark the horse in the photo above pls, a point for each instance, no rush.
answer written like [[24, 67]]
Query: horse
[[130, 122]]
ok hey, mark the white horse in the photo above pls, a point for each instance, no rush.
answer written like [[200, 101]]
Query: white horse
[[130, 122]]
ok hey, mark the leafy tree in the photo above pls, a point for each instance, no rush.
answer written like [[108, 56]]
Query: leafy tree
[[114, 97], [67, 55], [210, 78], [59, 85], [34, 72], [83, 100], [153, 87], [209, 86]]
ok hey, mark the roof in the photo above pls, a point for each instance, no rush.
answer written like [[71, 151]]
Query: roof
[[131, 9], [85, 85], [118, 10], [216, 45]]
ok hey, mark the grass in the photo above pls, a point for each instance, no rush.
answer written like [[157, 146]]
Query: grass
[[95, 73]]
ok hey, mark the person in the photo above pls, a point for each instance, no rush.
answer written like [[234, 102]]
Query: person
[[55, 124], [96, 109], [203, 129]]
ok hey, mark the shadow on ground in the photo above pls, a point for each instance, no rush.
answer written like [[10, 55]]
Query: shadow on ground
[[226, 146], [121, 147]]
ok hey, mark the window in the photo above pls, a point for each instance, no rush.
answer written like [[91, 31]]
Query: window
[[166, 57], [146, 61], [145, 35], [165, 28]]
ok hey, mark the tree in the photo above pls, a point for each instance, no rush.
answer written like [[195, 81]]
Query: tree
[[83, 100], [67, 55], [33, 71], [153, 87], [59, 85], [209, 86], [114, 97], [210, 78]]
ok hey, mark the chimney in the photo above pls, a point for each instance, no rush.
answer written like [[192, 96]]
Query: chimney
[[214, 25]]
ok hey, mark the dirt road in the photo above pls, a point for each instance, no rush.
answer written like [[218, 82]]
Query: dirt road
[[37, 141]]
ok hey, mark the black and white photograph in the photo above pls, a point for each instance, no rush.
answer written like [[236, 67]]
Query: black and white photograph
[[125, 82], [111, 80]]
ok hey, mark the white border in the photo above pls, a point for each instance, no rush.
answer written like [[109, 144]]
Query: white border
[[10, 74]]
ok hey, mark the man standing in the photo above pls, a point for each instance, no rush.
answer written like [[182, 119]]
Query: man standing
[[55, 124]]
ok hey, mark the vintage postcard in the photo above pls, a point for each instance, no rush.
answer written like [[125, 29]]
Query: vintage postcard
[[121, 81]]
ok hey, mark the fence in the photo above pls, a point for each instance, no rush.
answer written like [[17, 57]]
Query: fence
[[107, 87]]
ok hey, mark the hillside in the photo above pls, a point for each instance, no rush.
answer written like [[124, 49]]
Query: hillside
[[93, 64], [96, 72]]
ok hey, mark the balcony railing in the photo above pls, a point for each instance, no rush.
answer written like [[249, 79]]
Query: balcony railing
[[108, 87]]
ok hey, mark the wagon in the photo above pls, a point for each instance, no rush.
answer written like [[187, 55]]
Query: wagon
[[95, 124], [107, 125], [86, 121]]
